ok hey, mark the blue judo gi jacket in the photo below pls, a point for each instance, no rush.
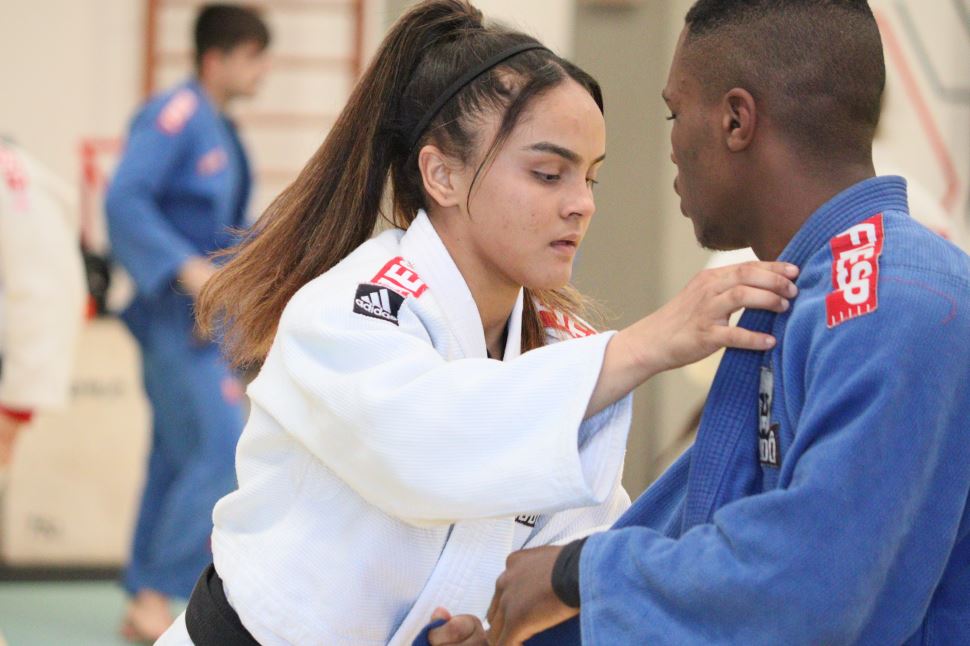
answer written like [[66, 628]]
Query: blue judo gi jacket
[[183, 182], [825, 500]]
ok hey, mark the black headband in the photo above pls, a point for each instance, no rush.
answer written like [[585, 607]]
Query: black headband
[[463, 81]]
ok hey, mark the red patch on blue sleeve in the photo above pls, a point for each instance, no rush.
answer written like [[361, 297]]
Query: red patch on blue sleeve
[[177, 112], [212, 162], [855, 272]]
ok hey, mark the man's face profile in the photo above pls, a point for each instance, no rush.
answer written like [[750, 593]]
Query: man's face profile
[[705, 181], [690, 144]]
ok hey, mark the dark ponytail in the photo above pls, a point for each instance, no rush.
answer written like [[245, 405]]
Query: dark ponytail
[[334, 204]]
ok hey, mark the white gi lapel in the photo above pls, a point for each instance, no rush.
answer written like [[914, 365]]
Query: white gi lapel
[[461, 580], [513, 344], [425, 250], [422, 246]]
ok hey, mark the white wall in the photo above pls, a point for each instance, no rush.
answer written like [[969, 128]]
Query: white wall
[[70, 69], [925, 129], [551, 21]]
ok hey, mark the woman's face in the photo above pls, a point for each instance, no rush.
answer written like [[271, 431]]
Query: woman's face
[[530, 208]]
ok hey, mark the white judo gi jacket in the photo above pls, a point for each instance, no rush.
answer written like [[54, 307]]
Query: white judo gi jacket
[[389, 467], [42, 287]]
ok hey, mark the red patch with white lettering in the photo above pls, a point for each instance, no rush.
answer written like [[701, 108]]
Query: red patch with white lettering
[[559, 321], [855, 272], [399, 275], [177, 112]]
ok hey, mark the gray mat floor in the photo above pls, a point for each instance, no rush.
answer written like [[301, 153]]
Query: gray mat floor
[[56, 614]]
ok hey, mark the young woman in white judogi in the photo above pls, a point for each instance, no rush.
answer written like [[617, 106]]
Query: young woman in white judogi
[[429, 400]]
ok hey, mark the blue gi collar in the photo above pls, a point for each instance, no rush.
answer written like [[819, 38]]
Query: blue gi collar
[[723, 467], [852, 205]]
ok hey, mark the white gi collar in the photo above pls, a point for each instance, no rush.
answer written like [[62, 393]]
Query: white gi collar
[[422, 246]]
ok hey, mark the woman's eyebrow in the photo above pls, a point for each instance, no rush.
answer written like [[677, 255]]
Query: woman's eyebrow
[[565, 153]]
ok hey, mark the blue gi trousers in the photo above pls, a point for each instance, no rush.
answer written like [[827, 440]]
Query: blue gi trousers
[[196, 422]]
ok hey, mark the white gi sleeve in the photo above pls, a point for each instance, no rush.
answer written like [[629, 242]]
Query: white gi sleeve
[[433, 441], [571, 524]]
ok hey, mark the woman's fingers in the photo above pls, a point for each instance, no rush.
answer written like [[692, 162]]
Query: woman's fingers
[[775, 277], [749, 297], [737, 337], [696, 322]]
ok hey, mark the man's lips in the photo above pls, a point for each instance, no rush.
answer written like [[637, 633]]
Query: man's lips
[[677, 191], [565, 245], [571, 241]]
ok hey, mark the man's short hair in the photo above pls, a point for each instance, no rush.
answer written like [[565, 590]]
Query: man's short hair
[[226, 26], [815, 67]]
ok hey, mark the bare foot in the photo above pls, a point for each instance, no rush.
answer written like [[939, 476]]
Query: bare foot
[[147, 617]]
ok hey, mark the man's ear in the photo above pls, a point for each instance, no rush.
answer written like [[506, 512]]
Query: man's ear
[[211, 61], [739, 120], [439, 176]]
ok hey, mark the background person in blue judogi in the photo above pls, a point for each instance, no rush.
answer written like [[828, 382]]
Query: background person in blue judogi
[[182, 184]]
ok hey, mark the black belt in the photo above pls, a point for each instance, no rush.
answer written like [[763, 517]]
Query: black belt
[[210, 619]]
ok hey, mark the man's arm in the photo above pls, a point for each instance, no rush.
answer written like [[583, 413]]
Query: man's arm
[[150, 248]]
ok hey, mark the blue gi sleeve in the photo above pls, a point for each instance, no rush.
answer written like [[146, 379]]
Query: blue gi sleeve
[[422, 638], [852, 548], [145, 242]]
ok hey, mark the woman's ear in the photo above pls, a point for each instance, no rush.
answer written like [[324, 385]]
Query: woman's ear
[[739, 120], [439, 173]]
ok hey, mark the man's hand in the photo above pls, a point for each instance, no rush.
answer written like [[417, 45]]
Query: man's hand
[[524, 603], [463, 630], [193, 275]]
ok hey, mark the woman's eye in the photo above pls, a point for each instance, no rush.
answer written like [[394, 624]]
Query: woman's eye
[[591, 183], [546, 177]]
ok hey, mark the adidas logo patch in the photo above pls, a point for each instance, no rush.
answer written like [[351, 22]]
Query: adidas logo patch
[[529, 520], [378, 302]]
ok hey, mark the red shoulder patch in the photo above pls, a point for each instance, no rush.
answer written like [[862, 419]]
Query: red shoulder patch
[[14, 177], [212, 162], [177, 112], [399, 275], [855, 272], [559, 321]]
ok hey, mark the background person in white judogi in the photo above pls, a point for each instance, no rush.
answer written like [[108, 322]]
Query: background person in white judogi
[[42, 293], [430, 400]]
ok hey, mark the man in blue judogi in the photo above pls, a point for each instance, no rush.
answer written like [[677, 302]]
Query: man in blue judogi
[[182, 185], [825, 500]]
